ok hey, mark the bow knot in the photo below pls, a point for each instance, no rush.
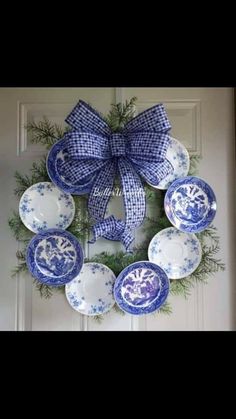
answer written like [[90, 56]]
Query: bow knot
[[139, 151], [117, 145]]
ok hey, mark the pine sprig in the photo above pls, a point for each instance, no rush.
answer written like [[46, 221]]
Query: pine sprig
[[45, 132], [120, 114], [20, 232], [44, 290], [165, 309], [38, 174], [194, 161]]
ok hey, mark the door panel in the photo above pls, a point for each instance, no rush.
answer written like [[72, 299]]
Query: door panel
[[203, 120]]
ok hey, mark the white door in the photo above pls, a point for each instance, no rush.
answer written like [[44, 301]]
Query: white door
[[203, 119]]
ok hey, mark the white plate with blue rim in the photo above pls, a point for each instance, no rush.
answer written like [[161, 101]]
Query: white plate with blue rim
[[141, 288], [176, 252], [44, 206], [55, 159], [190, 204], [178, 156], [54, 257], [91, 292]]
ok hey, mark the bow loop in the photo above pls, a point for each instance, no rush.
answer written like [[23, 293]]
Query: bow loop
[[152, 120], [84, 118]]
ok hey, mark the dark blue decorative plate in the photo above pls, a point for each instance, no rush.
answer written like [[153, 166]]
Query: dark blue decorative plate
[[141, 288], [54, 257], [190, 204], [56, 157]]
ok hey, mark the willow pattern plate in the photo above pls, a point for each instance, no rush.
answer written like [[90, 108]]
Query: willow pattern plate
[[177, 253], [91, 292], [190, 204], [56, 157], [54, 257], [44, 206], [141, 288]]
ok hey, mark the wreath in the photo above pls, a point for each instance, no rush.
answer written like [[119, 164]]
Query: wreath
[[48, 134]]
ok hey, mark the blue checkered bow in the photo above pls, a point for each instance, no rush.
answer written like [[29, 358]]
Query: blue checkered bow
[[138, 151]]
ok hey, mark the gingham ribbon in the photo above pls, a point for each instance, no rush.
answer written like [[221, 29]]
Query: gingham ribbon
[[138, 151]]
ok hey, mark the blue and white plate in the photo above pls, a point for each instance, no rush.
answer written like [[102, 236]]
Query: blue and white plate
[[178, 156], [141, 288], [44, 206], [177, 253], [190, 204], [54, 257], [56, 157], [91, 292]]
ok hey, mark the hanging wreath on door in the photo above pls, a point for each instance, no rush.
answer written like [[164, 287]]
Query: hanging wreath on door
[[93, 159]]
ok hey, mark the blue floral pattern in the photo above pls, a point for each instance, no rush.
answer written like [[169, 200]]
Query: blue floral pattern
[[178, 156], [177, 253], [34, 207], [190, 204], [91, 292], [25, 206], [54, 257], [141, 288]]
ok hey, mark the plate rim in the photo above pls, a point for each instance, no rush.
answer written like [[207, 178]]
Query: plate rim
[[55, 186], [55, 177], [148, 311], [191, 229], [91, 314], [182, 232], [78, 249], [188, 158]]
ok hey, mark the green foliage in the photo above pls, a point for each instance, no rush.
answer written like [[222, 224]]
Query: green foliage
[[20, 232], [38, 173], [44, 132], [194, 161], [47, 134], [120, 114]]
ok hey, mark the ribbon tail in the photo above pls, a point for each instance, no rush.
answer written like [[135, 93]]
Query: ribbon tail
[[101, 191], [133, 194], [111, 227]]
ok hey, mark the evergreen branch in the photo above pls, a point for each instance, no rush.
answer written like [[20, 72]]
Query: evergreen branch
[[44, 132], [19, 269], [209, 233], [120, 114], [181, 287], [20, 232], [39, 174], [117, 309], [99, 318], [45, 290], [194, 161], [165, 309], [23, 183]]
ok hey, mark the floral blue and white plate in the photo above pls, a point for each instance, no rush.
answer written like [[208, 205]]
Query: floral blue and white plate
[[54, 257], [44, 206], [91, 292], [178, 156], [56, 157], [177, 253], [141, 288], [190, 204]]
